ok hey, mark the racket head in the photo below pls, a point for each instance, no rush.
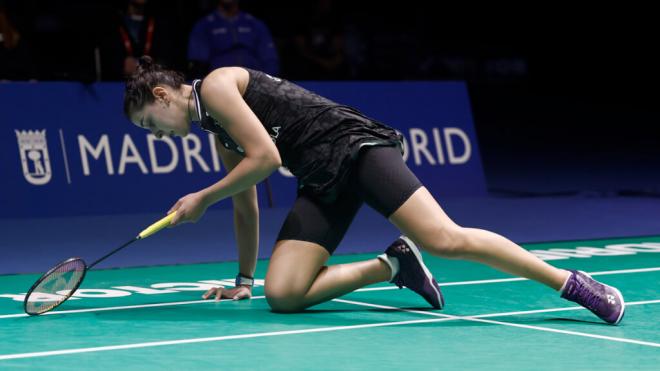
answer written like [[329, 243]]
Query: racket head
[[55, 286]]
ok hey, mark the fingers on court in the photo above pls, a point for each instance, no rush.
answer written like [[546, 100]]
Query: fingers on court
[[210, 292], [218, 294], [241, 294]]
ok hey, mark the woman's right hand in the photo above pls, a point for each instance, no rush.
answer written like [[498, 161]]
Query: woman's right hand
[[189, 209]]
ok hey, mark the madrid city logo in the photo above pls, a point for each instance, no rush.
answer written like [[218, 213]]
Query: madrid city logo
[[35, 161]]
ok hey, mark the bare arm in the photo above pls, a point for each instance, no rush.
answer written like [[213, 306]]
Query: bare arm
[[224, 102], [246, 217]]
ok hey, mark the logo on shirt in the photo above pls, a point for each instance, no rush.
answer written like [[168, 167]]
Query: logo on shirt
[[276, 133], [276, 79]]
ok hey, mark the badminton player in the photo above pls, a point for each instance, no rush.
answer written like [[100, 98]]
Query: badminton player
[[341, 159]]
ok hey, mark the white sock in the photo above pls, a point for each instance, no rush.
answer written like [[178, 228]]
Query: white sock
[[392, 262]]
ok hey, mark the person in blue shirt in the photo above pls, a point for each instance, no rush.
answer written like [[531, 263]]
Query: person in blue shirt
[[231, 37]]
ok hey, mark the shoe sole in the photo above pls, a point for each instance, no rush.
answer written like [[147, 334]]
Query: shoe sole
[[623, 305], [427, 273]]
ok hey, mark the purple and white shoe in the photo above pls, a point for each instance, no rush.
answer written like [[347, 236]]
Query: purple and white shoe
[[602, 300], [413, 273]]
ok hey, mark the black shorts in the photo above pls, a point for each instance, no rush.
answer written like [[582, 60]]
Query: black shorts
[[379, 177]]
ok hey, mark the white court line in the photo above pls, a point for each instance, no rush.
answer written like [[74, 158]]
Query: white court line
[[515, 279], [632, 303], [638, 270], [477, 318], [460, 283], [209, 339], [119, 307], [504, 314], [445, 317]]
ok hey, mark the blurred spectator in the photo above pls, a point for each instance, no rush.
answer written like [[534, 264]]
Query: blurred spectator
[[135, 32], [319, 43], [231, 37], [15, 58]]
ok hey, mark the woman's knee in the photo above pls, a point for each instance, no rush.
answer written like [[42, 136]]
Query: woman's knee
[[293, 268], [447, 242], [284, 300]]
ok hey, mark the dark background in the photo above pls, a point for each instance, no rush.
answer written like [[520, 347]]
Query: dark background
[[559, 91]]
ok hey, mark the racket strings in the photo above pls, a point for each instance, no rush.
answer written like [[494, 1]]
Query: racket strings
[[55, 287]]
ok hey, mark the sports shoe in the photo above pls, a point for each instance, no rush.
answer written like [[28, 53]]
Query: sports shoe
[[604, 301], [413, 273]]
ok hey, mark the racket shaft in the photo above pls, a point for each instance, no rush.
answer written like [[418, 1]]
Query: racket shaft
[[112, 252], [157, 226]]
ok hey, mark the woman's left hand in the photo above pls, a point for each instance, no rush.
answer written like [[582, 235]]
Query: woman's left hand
[[239, 292], [189, 209]]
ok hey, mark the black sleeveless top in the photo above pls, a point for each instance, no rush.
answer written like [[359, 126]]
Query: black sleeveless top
[[317, 139]]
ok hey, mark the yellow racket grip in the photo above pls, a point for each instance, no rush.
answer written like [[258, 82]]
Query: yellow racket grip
[[157, 226]]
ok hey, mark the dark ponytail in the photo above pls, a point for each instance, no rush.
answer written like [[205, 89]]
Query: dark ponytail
[[141, 83]]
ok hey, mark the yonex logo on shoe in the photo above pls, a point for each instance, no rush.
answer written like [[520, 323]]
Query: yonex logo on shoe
[[610, 299]]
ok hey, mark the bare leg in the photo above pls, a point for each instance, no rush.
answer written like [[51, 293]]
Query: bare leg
[[423, 220], [297, 277]]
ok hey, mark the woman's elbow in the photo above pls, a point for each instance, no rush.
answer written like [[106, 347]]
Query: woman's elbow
[[274, 160], [267, 160]]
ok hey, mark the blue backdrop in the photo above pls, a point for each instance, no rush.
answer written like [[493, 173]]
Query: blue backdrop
[[67, 150]]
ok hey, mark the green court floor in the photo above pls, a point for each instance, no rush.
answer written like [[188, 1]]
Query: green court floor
[[154, 318]]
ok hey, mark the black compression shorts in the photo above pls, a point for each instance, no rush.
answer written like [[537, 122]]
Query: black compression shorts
[[380, 178]]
